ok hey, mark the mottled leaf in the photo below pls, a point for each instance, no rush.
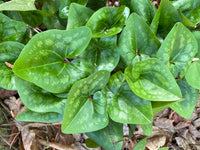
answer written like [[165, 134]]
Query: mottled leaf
[[194, 15], [38, 100], [152, 80], [18, 5], [11, 30], [196, 34], [178, 49], [141, 144], [50, 7], [185, 20], [109, 137], [45, 59], [123, 105], [108, 21], [185, 5], [85, 110], [78, 16], [147, 128], [31, 116], [185, 108]]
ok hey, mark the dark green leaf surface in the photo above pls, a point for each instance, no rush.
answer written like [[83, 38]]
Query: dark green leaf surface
[[91, 144], [49, 6], [193, 75], [151, 80], [18, 5], [31, 116], [96, 4], [85, 109], [42, 61], [109, 137], [11, 30], [186, 5], [185, 108], [194, 15], [141, 144], [108, 21], [123, 105], [78, 16], [147, 128], [178, 49], [38, 100]]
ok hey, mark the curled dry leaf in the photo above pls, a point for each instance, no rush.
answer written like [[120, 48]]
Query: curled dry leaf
[[156, 142]]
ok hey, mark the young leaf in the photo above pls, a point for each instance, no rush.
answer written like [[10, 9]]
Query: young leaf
[[165, 18], [193, 75], [18, 5], [185, 108], [78, 16], [85, 110], [152, 80], [11, 30], [123, 105], [108, 21], [147, 128], [44, 60], [178, 49], [38, 100], [141, 144], [109, 137], [31, 116]]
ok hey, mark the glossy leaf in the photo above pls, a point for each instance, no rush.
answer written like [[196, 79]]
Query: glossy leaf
[[178, 49], [9, 51], [193, 75], [38, 100], [44, 60], [85, 110], [109, 137], [196, 34], [78, 16], [123, 105], [185, 108], [186, 5], [102, 54], [165, 18], [151, 80], [147, 128], [18, 5], [108, 21], [11, 30], [65, 4], [144, 8], [141, 144], [31, 116]]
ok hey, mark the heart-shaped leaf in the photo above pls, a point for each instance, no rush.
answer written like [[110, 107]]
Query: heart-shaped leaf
[[147, 128], [141, 144], [45, 59], [185, 108], [178, 49], [11, 30], [123, 105], [108, 21], [85, 109], [109, 138], [78, 16], [152, 80], [31, 116], [9, 52], [38, 100]]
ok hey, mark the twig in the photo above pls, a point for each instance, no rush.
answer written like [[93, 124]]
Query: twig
[[14, 139]]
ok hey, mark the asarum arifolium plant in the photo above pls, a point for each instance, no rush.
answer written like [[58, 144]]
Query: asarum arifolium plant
[[97, 68]]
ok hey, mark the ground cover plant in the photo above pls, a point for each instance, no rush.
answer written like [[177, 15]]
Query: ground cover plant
[[97, 68]]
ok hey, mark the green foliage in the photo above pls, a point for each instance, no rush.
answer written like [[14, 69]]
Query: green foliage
[[97, 68]]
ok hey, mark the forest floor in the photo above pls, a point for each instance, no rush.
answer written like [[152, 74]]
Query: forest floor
[[169, 130]]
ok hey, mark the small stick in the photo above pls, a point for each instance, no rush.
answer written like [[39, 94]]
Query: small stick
[[8, 65]]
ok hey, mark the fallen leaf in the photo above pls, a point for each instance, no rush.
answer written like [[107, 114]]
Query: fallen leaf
[[156, 142]]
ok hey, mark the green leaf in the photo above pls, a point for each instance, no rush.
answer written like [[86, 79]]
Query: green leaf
[[102, 54], [78, 16], [18, 5], [165, 18], [193, 75], [135, 30], [141, 144], [50, 6], [147, 128], [44, 60], [144, 8], [91, 144], [9, 52], [194, 15], [65, 4], [150, 79], [185, 108], [85, 110], [31, 116], [123, 105], [109, 137], [196, 34], [185, 5], [108, 21], [96, 4], [53, 23], [38, 100], [11, 30], [186, 21], [178, 49], [164, 148]]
